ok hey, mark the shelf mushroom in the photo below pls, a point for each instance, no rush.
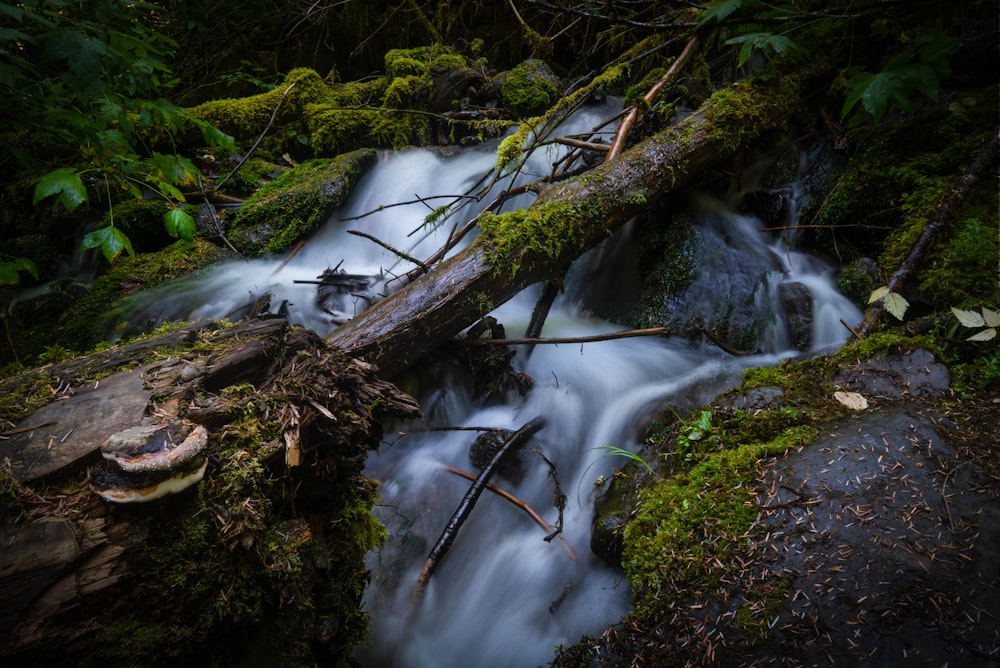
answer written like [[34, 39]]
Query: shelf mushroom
[[150, 461]]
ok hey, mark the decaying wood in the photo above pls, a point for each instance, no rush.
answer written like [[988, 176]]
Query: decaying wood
[[944, 212], [468, 502], [419, 318], [66, 552]]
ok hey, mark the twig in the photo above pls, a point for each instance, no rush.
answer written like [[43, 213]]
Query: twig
[[469, 501], [945, 210], [625, 334], [215, 216], [390, 248], [517, 502], [288, 258], [274, 115], [419, 200], [577, 143], [853, 331], [623, 129]]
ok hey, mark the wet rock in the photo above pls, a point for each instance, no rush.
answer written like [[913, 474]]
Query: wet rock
[[487, 444], [757, 399], [897, 375], [796, 302]]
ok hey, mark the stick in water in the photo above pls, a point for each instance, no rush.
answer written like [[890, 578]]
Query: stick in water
[[469, 501]]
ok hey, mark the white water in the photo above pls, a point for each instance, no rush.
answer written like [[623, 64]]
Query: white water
[[502, 595]]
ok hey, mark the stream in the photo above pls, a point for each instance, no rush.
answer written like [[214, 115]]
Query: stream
[[503, 595]]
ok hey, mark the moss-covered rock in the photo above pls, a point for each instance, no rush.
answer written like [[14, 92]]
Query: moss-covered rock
[[530, 88], [297, 203], [71, 319]]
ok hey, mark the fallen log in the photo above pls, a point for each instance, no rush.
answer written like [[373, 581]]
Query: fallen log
[[517, 249]]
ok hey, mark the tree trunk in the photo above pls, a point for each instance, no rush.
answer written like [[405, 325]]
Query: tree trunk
[[518, 249]]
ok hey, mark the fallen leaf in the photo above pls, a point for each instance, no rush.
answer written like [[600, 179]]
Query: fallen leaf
[[852, 400]]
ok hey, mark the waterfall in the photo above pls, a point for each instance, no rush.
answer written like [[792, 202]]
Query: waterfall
[[503, 595]]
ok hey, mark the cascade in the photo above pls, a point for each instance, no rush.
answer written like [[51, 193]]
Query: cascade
[[503, 595]]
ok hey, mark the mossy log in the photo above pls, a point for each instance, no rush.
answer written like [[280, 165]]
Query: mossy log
[[259, 558], [520, 248]]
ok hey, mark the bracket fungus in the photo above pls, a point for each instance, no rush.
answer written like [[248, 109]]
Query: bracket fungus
[[150, 461]]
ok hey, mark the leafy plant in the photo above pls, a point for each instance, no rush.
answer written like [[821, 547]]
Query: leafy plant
[[87, 75], [895, 303], [613, 450], [900, 78], [987, 319], [767, 43], [10, 270]]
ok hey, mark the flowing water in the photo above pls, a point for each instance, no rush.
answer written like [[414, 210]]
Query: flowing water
[[503, 595]]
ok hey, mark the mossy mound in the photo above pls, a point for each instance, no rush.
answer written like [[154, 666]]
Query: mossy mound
[[530, 88], [63, 323], [296, 203], [317, 117]]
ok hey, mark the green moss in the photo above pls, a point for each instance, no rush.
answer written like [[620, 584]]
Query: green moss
[[692, 520], [297, 203], [509, 236], [510, 149], [245, 118], [529, 89], [405, 90], [738, 112]]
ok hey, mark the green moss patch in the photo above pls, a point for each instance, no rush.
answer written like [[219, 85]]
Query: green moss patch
[[297, 203]]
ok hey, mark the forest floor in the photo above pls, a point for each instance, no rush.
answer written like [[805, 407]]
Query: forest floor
[[877, 544]]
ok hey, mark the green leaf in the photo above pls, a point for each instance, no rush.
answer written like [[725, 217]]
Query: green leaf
[[110, 240], [875, 99], [24, 264], [991, 317], [969, 318], [856, 85], [179, 224], [10, 271], [721, 11], [65, 183]]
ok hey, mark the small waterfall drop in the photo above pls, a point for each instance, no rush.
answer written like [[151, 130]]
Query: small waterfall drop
[[503, 595]]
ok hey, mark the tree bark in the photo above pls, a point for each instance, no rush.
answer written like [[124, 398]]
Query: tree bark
[[579, 213]]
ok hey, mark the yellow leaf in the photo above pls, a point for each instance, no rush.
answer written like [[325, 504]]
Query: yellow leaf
[[852, 400]]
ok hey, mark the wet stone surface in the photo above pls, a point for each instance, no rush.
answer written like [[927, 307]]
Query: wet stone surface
[[877, 529]]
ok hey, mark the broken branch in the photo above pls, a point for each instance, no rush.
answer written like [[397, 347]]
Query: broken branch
[[499, 491], [469, 501]]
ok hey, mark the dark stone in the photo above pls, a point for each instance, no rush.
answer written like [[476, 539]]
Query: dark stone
[[487, 444], [796, 302], [896, 375]]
